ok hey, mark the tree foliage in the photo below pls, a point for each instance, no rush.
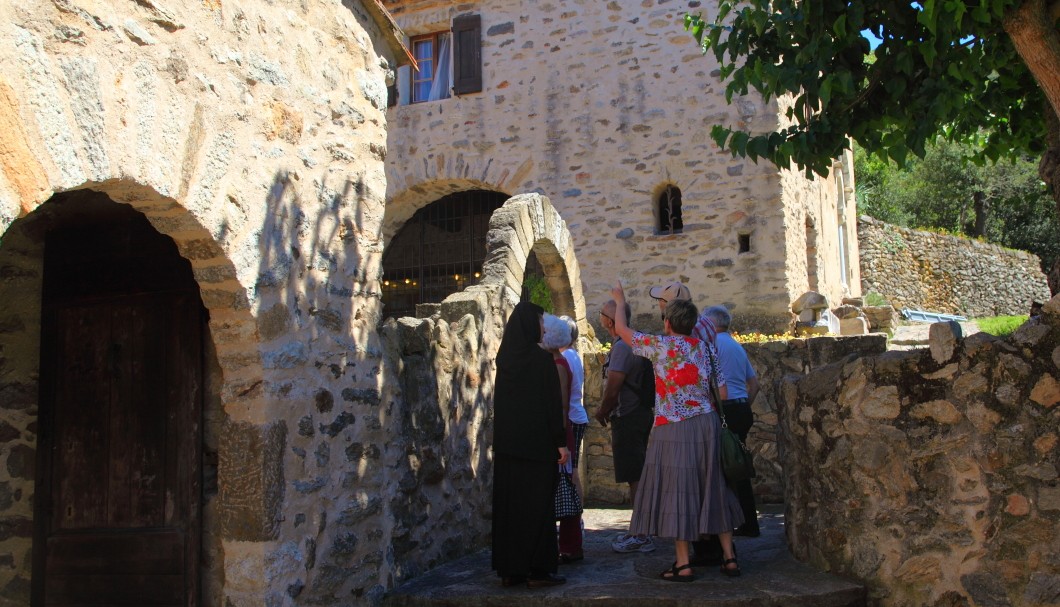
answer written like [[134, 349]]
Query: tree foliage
[[943, 67], [939, 192]]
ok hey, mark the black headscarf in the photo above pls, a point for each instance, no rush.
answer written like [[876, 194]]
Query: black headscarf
[[528, 413], [521, 337]]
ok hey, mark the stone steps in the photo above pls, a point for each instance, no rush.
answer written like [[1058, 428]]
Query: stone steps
[[771, 577]]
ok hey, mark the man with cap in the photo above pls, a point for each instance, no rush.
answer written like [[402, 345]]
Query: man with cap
[[704, 329]]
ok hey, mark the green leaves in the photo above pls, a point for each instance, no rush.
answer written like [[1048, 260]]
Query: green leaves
[[943, 65]]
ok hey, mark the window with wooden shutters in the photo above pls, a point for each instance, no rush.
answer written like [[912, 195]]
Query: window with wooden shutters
[[467, 54]]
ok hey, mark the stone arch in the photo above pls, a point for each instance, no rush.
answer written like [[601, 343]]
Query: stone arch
[[529, 223], [404, 205], [233, 367]]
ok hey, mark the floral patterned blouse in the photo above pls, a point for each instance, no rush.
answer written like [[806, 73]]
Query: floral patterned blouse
[[682, 369]]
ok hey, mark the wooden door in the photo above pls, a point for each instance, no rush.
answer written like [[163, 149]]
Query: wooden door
[[118, 516]]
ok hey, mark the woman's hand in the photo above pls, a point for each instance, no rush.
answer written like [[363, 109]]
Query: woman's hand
[[564, 455], [617, 293]]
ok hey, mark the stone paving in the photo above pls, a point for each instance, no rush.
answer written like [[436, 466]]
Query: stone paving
[[771, 577]]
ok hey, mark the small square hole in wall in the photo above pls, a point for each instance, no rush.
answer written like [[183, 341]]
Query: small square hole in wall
[[745, 243]]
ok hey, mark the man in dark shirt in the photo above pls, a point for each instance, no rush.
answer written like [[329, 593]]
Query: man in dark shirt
[[631, 422]]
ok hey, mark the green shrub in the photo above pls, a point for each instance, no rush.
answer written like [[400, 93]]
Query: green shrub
[[538, 290], [872, 298], [1000, 325]]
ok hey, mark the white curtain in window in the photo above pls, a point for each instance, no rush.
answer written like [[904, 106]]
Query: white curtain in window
[[440, 85]]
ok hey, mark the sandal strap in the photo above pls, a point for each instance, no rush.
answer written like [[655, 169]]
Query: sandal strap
[[676, 569]]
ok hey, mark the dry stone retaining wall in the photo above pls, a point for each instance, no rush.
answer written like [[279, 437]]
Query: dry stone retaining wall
[[940, 273], [932, 475]]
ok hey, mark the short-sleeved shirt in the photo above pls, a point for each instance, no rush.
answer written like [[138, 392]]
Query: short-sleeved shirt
[[682, 369], [622, 359], [735, 365]]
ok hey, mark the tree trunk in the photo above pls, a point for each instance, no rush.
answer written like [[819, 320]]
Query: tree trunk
[[1032, 28], [1049, 171], [1037, 41], [979, 229]]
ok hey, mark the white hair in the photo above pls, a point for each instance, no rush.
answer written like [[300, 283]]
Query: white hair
[[573, 330], [557, 333]]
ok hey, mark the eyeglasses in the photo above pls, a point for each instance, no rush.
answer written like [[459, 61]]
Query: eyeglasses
[[611, 318]]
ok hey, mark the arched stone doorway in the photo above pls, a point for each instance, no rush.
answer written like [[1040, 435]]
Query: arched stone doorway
[[110, 388], [119, 457]]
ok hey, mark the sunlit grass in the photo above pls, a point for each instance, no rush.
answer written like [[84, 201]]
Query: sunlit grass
[[1000, 325]]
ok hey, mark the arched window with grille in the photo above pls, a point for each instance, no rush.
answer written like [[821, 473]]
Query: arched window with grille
[[668, 211], [439, 251]]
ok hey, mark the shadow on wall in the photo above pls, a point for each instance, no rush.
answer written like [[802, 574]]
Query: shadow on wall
[[322, 353]]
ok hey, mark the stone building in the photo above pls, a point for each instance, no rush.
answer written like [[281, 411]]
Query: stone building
[[195, 202], [606, 109], [191, 197]]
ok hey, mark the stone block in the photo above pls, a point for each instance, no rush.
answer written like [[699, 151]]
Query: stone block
[[810, 300], [944, 338], [846, 311], [460, 304], [1049, 499], [1046, 391], [853, 326], [881, 403], [1043, 588], [881, 318], [251, 480], [941, 411]]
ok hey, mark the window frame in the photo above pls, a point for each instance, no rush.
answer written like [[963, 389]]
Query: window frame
[[435, 50], [675, 221]]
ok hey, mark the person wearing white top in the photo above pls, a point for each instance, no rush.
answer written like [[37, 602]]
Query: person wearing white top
[[579, 419]]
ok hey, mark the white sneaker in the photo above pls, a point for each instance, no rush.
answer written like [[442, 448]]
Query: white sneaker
[[632, 543]]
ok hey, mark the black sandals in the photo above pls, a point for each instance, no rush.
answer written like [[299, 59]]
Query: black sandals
[[673, 574]]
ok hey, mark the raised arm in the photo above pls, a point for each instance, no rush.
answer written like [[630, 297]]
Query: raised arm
[[621, 322]]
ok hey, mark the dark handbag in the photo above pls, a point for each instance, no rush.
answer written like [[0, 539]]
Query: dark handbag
[[568, 502], [737, 463]]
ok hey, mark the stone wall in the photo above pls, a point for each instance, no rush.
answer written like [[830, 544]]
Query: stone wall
[[932, 475], [253, 135], [772, 361], [430, 444], [940, 273], [600, 107]]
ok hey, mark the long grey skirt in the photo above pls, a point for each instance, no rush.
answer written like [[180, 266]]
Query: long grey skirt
[[682, 493]]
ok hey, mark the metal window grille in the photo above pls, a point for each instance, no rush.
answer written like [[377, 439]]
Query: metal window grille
[[670, 211], [439, 251]]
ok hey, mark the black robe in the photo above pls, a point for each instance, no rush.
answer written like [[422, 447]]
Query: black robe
[[528, 429]]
